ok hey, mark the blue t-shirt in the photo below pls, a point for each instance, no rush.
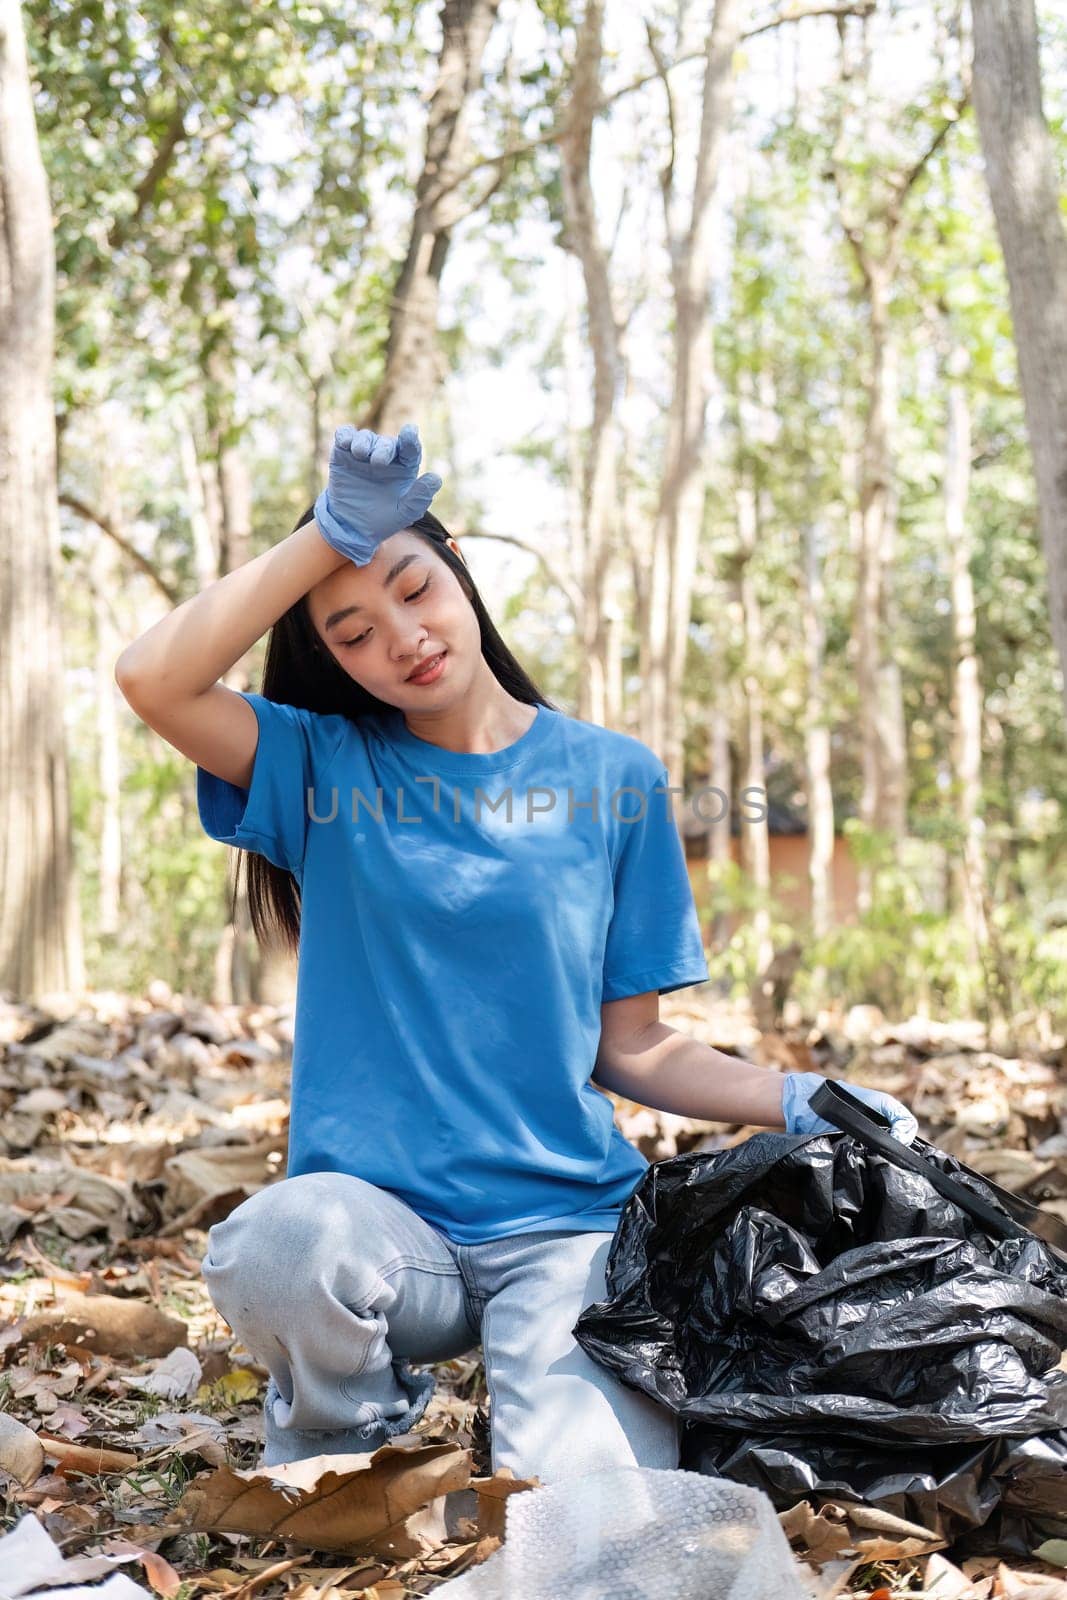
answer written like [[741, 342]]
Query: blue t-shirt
[[453, 959]]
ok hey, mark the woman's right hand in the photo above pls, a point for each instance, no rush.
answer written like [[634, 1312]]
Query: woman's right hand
[[373, 489]]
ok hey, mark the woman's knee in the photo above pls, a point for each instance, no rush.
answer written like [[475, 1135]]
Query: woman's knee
[[267, 1249]]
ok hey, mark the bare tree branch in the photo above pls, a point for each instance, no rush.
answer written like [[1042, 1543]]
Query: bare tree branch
[[146, 190], [573, 598], [797, 13], [666, 177], [908, 179], [852, 231], [620, 217], [459, 214], [792, 13], [511, 153], [132, 554]]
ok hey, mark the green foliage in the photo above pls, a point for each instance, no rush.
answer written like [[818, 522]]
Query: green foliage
[[232, 188]]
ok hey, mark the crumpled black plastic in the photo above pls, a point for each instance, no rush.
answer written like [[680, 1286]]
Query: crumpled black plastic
[[827, 1326]]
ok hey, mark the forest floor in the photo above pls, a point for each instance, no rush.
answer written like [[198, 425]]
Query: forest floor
[[130, 1417]]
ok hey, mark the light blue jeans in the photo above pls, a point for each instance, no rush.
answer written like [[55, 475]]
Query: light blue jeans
[[337, 1286]]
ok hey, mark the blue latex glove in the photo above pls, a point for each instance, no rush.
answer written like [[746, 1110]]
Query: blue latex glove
[[798, 1088], [373, 489]]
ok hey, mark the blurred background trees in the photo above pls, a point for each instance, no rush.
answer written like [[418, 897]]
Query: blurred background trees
[[739, 340]]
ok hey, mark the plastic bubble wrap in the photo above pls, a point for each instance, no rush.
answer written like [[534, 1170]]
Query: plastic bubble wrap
[[637, 1533]]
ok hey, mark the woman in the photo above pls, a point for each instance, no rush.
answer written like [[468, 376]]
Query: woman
[[487, 897]]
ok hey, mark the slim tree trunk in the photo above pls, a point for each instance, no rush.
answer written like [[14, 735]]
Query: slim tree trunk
[[884, 804], [679, 516], [318, 444], [720, 777], [817, 741], [235, 499], [969, 875], [228, 505], [204, 531], [755, 832], [107, 642], [412, 359], [571, 340], [232, 501], [876, 237], [1021, 169], [614, 640], [599, 490], [637, 538], [40, 935]]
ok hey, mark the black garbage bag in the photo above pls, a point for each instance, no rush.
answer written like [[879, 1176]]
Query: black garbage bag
[[829, 1326]]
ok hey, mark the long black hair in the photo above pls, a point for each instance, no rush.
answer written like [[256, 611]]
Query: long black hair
[[300, 671]]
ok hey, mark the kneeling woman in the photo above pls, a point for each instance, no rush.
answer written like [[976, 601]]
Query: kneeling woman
[[487, 898]]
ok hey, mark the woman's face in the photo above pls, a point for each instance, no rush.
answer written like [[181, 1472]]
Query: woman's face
[[404, 606]]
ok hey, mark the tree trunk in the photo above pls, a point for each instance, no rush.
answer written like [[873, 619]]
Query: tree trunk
[[231, 502], [817, 742], [203, 527], [104, 580], [679, 514], [969, 870], [614, 641], [228, 509], [1021, 169], [637, 539], [318, 444], [876, 238], [413, 368], [755, 832], [599, 489], [40, 934], [720, 778], [883, 800]]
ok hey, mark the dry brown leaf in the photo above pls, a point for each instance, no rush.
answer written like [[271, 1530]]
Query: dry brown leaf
[[208, 1183], [880, 1548], [880, 1521], [474, 1555], [319, 1583], [276, 1569], [493, 1493], [86, 1201], [197, 1436], [66, 1421], [390, 1501], [89, 1459], [175, 1377], [822, 1537], [160, 1574], [107, 1324], [1028, 1585], [21, 1451]]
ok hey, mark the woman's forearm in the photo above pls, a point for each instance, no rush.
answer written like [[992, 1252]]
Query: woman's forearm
[[669, 1071], [194, 645]]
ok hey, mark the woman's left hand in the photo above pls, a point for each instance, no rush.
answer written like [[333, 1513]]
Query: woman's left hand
[[373, 490], [798, 1088]]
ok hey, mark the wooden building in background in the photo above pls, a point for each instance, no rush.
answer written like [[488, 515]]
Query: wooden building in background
[[789, 853]]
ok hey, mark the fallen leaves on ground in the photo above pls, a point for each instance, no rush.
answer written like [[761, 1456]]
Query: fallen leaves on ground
[[130, 1417]]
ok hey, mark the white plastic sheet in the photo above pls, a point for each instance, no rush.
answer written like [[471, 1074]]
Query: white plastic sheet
[[32, 1565], [637, 1533]]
